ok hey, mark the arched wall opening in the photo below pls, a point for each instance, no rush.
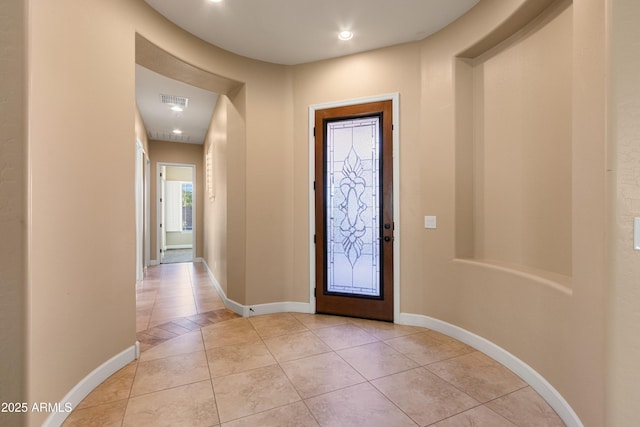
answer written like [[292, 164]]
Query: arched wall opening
[[221, 167]]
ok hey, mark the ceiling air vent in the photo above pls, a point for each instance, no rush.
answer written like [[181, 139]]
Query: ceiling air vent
[[180, 101]]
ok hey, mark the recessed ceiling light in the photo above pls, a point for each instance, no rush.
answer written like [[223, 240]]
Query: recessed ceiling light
[[215, 1], [176, 108], [177, 131], [345, 35]]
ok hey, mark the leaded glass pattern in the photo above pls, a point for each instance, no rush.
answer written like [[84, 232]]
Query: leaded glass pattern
[[353, 206]]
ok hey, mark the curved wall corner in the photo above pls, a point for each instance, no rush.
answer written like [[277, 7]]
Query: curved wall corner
[[513, 363], [90, 382], [514, 126]]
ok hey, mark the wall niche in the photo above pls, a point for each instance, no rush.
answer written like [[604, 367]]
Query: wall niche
[[514, 149]]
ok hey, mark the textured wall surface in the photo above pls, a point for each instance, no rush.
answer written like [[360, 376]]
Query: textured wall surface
[[12, 186], [623, 347]]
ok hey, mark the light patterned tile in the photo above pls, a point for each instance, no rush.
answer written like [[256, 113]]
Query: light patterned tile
[[238, 358], [190, 342], [273, 325], [384, 330], [230, 332], [296, 346], [525, 407], [209, 304], [424, 348], [359, 405], [478, 375], [376, 360], [423, 396], [320, 374], [318, 321], [344, 336], [478, 416], [293, 415], [173, 301], [160, 374], [167, 313], [142, 322], [114, 388], [190, 405], [247, 393], [106, 415]]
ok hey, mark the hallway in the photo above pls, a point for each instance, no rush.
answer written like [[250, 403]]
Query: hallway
[[203, 365]]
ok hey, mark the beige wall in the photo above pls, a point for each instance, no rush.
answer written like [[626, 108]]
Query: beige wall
[[215, 202], [171, 152], [81, 222], [12, 205], [236, 254], [179, 238], [176, 173], [225, 218], [532, 314], [623, 349], [548, 119], [76, 324], [525, 220]]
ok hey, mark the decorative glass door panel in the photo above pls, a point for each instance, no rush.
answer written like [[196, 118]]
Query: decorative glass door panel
[[352, 208], [354, 213]]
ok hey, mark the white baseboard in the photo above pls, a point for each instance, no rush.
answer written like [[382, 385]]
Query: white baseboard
[[90, 382], [187, 246], [278, 307], [153, 262], [257, 309], [517, 366]]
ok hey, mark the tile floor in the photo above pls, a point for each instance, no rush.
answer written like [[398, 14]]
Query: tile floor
[[173, 256], [202, 365]]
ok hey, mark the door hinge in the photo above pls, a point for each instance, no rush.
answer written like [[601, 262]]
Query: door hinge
[[314, 186], [314, 131], [314, 292], [160, 199], [314, 238], [160, 225]]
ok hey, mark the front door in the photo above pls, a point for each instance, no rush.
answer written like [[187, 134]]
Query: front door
[[354, 210]]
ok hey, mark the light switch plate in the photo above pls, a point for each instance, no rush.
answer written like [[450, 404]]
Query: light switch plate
[[636, 234], [429, 221]]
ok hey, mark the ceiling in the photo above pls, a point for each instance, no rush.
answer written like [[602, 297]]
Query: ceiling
[[283, 32], [298, 31], [160, 121]]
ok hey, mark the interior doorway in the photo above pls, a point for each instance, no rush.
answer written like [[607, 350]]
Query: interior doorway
[[142, 210], [176, 213]]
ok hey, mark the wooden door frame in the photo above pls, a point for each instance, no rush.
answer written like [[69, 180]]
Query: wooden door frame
[[395, 100]]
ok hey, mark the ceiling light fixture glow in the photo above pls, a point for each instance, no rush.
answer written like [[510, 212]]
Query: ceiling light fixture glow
[[345, 35], [176, 108], [177, 131], [215, 1]]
